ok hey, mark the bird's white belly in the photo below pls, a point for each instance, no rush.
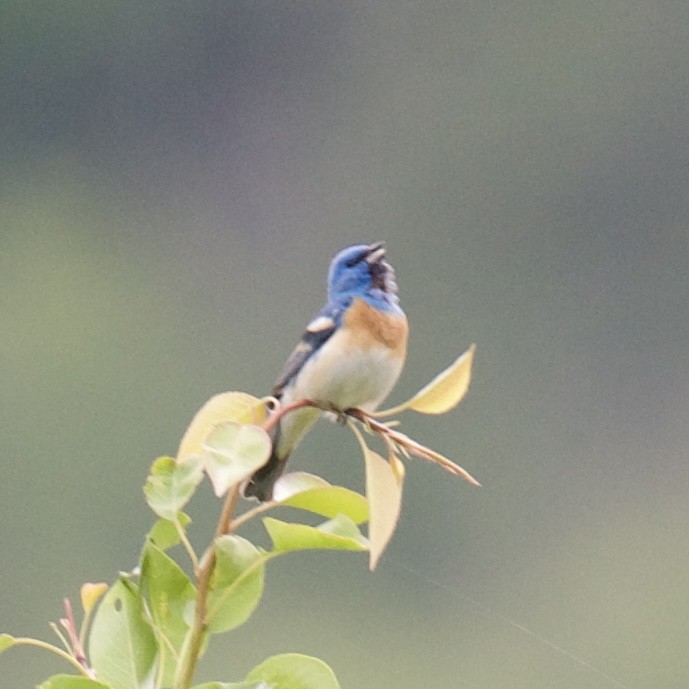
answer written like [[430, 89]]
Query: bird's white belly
[[359, 378], [339, 376]]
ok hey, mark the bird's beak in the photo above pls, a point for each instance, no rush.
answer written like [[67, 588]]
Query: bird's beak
[[375, 253]]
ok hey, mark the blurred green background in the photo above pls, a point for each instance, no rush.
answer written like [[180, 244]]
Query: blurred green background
[[174, 180]]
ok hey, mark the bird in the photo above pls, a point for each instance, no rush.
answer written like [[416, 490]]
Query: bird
[[350, 355]]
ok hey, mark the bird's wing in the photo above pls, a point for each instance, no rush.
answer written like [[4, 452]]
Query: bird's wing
[[317, 332]]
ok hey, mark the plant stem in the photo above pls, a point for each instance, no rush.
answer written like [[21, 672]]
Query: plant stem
[[186, 544], [193, 642], [37, 643], [60, 635], [225, 522], [250, 514]]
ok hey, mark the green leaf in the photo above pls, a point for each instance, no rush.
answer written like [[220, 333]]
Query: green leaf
[[329, 501], [443, 393], [294, 671], [164, 532], [384, 492], [6, 641], [122, 646], [71, 682], [236, 584], [171, 484], [296, 482], [227, 406], [170, 595], [340, 533], [232, 452]]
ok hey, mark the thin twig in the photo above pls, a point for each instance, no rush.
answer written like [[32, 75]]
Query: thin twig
[[186, 544], [275, 417], [37, 643], [61, 636], [69, 625], [250, 514], [412, 446]]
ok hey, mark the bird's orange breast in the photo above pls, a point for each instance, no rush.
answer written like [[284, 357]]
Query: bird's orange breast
[[368, 327]]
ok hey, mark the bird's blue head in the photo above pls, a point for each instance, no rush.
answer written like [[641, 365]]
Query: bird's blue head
[[362, 271]]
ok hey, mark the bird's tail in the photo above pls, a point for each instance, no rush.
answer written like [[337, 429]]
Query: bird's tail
[[261, 483]]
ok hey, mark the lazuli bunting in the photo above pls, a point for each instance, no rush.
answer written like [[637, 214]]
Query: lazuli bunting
[[350, 355]]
